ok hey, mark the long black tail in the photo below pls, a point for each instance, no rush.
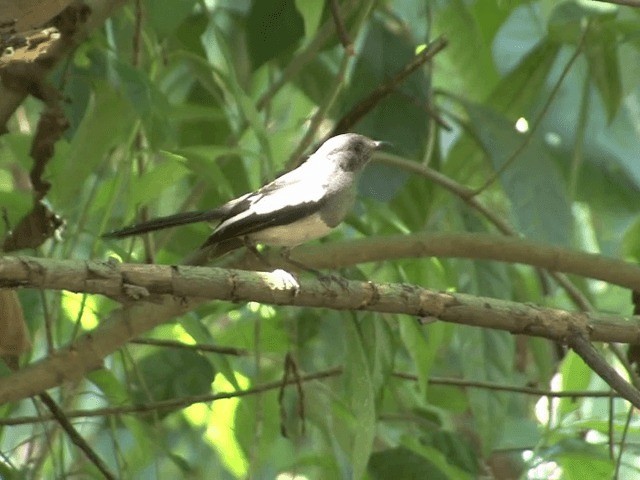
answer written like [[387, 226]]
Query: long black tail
[[167, 222]]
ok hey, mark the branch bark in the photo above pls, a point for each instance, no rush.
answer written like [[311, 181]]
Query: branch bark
[[90, 277], [168, 291], [34, 14], [473, 246]]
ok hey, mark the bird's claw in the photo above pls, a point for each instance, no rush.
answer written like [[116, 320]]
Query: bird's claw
[[282, 280], [328, 279]]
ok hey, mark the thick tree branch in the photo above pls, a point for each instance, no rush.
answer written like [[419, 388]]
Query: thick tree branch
[[93, 277], [34, 14], [170, 291], [88, 351], [467, 195], [477, 246], [116, 280]]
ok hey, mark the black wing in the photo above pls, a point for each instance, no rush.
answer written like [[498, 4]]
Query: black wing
[[285, 200], [244, 225], [167, 222]]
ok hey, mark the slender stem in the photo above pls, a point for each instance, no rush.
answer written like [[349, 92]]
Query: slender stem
[[536, 123], [74, 436], [467, 195], [321, 112], [578, 149]]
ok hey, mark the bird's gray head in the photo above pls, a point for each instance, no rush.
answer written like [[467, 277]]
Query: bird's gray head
[[351, 150]]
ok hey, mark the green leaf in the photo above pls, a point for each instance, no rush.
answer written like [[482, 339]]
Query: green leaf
[[580, 459], [568, 19], [360, 392], [422, 344], [414, 460], [545, 358], [532, 182], [436, 457], [487, 357], [379, 346], [165, 16], [171, 373], [576, 375], [107, 123], [519, 433], [156, 180], [466, 66], [398, 118], [148, 101], [516, 91], [273, 27], [311, 12], [602, 55], [8, 473], [402, 464], [110, 386]]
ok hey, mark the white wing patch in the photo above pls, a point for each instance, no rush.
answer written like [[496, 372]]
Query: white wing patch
[[295, 189], [293, 194]]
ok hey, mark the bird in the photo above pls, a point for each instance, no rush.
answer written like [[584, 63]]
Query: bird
[[304, 204]]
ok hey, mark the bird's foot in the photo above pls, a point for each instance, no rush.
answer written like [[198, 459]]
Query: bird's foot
[[328, 279], [283, 280]]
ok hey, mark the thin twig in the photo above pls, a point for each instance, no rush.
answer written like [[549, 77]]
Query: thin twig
[[580, 343], [467, 196], [153, 407], [320, 113], [538, 120], [429, 109], [291, 369], [333, 372], [611, 439], [622, 358], [539, 392], [343, 35], [623, 439], [197, 347], [368, 103], [137, 34], [293, 366], [74, 436]]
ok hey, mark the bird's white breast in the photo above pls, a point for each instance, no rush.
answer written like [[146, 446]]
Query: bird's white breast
[[293, 234]]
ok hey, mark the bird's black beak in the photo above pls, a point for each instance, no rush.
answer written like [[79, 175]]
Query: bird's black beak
[[382, 144]]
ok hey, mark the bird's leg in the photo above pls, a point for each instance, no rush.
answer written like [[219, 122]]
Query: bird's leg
[[287, 278], [252, 248], [285, 253], [323, 277]]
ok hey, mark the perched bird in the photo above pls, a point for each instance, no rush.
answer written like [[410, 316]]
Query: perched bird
[[301, 205]]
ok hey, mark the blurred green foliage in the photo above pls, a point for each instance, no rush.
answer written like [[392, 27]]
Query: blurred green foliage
[[216, 102]]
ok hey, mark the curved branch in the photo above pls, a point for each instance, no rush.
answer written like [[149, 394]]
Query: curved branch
[[79, 276], [467, 195], [477, 246]]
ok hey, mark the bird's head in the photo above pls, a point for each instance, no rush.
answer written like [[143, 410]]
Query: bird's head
[[351, 150]]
